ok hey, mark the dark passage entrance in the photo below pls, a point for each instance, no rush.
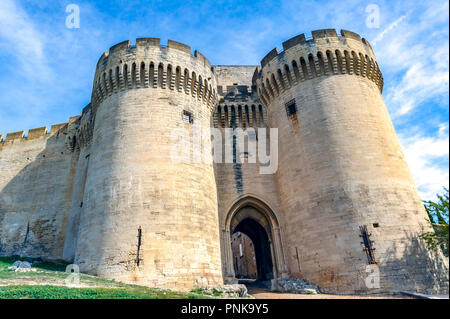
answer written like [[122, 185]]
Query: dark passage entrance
[[244, 259], [261, 244]]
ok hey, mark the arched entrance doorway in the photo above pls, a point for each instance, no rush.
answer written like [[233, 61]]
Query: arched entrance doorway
[[254, 218]]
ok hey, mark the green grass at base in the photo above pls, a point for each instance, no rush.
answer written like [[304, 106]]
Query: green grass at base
[[55, 292], [48, 283]]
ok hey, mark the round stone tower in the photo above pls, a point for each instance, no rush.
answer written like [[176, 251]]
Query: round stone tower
[[344, 186], [150, 214]]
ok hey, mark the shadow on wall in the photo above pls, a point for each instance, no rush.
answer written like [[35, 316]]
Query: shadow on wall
[[414, 267], [35, 202]]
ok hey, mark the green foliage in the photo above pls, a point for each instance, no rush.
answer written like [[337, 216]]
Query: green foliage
[[216, 292], [438, 214], [200, 291], [58, 265]]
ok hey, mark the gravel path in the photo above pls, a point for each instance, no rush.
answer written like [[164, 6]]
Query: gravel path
[[260, 293]]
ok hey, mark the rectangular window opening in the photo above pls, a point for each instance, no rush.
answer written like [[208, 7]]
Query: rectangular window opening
[[291, 108], [188, 117]]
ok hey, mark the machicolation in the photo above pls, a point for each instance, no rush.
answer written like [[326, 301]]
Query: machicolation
[[326, 54], [150, 65]]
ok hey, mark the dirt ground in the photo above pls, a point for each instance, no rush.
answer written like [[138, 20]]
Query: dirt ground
[[260, 293]]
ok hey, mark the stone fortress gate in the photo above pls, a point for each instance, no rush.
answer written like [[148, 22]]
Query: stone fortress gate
[[106, 190]]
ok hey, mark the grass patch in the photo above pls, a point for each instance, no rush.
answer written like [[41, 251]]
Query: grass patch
[[56, 292], [216, 292], [48, 282]]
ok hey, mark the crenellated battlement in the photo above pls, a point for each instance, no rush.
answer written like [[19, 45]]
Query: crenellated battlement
[[36, 133], [77, 132], [319, 38], [326, 54], [149, 65], [149, 44], [32, 133]]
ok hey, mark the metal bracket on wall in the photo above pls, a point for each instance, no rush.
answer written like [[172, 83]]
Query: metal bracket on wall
[[368, 244], [139, 236]]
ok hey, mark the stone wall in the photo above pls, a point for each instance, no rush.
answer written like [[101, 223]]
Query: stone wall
[[244, 256], [36, 175], [239, 108], [230, 75]]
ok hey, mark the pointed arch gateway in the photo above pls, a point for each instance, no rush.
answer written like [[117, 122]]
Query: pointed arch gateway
[[255, 218]]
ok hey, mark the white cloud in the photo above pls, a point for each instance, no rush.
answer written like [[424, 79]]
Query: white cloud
[[19, 38], [389, 28], [414, 50], [421, 82], [423, 155], [415, 59]]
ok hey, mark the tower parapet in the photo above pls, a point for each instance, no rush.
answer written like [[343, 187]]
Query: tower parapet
[[150, 65], [326, 54]]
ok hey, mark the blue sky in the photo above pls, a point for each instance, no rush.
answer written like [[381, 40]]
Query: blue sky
[[47, 69]]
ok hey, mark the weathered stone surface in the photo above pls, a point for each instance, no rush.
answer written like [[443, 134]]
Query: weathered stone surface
[[21, 266], [294, 285], [226, 291]]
